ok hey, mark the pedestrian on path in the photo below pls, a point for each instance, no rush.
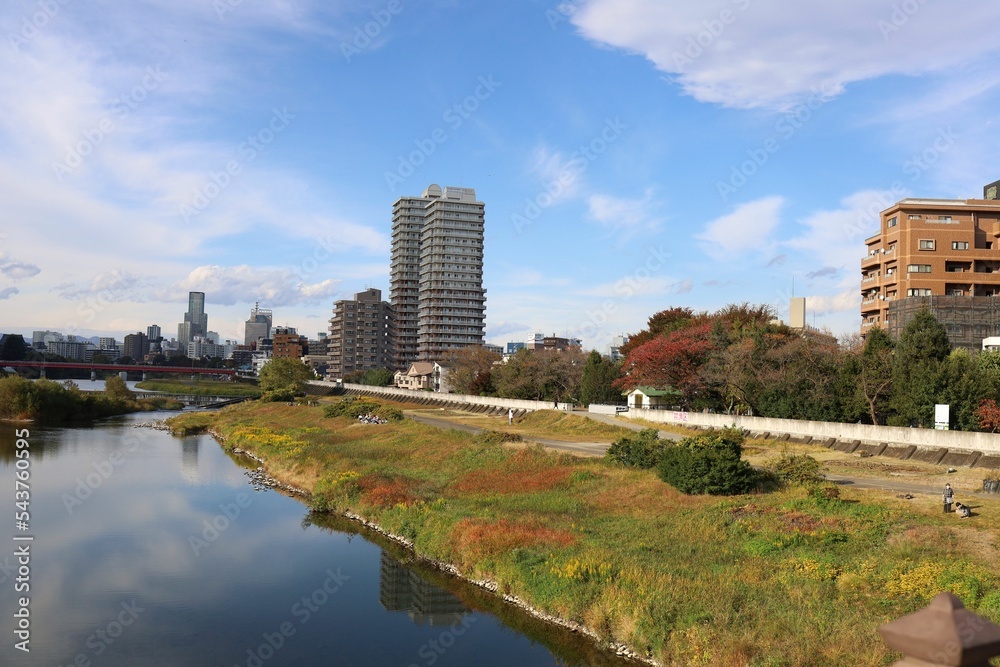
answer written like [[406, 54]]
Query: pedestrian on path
[[948, 497], [510, 415]]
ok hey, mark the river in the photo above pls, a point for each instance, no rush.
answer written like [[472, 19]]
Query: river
[[153, 550]]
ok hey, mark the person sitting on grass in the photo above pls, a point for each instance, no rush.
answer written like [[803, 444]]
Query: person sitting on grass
[[963, 511]]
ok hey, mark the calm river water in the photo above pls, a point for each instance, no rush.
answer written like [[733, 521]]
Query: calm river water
[[153, 550]]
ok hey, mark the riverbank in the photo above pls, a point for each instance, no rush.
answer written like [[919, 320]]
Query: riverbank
[[773, 579], [201, 388]]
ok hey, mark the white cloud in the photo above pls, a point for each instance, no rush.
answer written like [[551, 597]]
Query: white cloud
[[8, 292], [768, 53], [745, 230], [623, 215], [229, 285], [505, 327], [846, 300]]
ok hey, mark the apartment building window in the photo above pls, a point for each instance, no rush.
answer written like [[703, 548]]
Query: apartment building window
[[926, 244], [918, 268], [959, 245], [918, 292], [955, 292], [891, 222], [913, 217]]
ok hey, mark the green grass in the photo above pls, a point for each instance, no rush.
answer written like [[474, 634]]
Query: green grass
[[201, 388], [765, 579]]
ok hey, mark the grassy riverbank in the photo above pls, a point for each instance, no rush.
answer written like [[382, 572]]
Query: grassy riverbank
[[201, 388], [775, 579]]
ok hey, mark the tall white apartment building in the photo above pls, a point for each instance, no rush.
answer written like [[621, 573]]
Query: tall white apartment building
[[436, 273]]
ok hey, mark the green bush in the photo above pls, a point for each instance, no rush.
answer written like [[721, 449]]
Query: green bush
[[279, 395], [796, 470], [642, 450], [709, 463], [355, 407]]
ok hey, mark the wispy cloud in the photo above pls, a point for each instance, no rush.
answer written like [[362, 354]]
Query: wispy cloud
[[746, 230], [768, 53]]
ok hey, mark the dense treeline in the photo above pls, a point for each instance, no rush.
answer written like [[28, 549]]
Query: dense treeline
[[54, 402], [740, 360]]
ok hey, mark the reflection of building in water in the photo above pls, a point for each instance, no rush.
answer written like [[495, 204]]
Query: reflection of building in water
[[189, 461], [402, 589]]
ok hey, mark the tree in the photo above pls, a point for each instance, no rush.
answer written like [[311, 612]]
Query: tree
[[469, 370], [117, 390], [964, 385], [673, 360], [284, 373], [875, 373], [540, 375], [988, 415], [374, 377], [916, 370], [596, 383]]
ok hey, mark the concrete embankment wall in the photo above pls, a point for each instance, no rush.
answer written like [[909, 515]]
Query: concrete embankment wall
[[928, 445], [435, 398]]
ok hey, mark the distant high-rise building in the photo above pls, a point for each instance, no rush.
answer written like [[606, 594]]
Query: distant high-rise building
[[362, 333], [136, 346], [155, 336], [195, 322], [258, 326], [436, 273], [106, 343]]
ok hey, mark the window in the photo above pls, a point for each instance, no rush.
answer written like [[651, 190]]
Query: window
[[926, 244], [955, 292], [959, 245], [918, 268], [918, 292], [913, 217], [891, 222]]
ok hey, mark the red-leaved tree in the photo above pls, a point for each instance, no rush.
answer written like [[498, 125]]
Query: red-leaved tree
[[671, 360], [988, 414]]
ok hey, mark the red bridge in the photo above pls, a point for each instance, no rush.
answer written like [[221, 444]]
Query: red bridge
[[93, 368]]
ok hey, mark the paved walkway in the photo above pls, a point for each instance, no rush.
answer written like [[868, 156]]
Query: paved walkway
[[599, 448]]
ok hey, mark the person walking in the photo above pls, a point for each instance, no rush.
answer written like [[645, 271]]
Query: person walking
[[948, 497], [510, 415]]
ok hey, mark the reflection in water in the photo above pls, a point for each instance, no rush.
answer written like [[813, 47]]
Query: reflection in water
[[189, 460], [402, 589]]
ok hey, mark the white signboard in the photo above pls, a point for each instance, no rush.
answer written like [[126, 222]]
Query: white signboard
[[941, 419]]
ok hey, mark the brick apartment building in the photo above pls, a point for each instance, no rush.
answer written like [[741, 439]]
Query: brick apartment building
[[938, 254], [362, 334]]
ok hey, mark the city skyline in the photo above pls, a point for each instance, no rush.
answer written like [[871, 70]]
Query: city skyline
[[251, 151]]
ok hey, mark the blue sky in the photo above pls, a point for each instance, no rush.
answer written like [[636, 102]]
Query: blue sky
[[633, 154]]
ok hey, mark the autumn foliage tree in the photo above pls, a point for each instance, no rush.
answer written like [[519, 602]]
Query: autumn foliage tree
[[671, 360]]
